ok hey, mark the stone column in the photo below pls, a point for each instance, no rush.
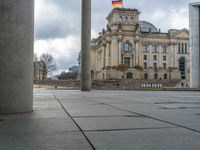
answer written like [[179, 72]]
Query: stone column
[[107, 53], [104, 54], [150, 59], [120, 50], [175, 56], [102, 57], [172, 55], [137, 54], [86, 45], [16, 56], [160, 64], [114, 51]]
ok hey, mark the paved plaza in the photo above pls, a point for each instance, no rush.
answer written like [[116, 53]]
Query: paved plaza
[[105, 120]]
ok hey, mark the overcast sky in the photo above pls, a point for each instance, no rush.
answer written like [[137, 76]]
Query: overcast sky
[[57, 23]]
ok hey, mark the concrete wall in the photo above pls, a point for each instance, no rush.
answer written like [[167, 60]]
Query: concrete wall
[[106, 84], [195, 44]]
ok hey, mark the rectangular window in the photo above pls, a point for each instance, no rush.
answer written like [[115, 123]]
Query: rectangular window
[[145, 66], [155, 76], [127, 61], [164, 58], [164, 66], [165, 76], [146, 76], [179, 48], [164, 49], [154, 57], [154, 48], [182, 49], [145, 57], [145, 48], [154, 66], [185, 48]]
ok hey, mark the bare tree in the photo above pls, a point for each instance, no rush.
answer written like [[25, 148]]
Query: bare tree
[[35, 57], [49, 61]]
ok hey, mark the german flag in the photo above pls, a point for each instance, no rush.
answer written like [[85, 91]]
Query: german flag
[[117, 3]]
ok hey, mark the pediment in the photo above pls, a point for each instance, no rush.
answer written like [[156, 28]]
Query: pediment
[[181, 34]]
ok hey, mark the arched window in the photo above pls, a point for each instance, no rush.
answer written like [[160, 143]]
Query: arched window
[[127, 47], [131, 19], [129, 75], [92, 74], [126, 19], [182, 67]]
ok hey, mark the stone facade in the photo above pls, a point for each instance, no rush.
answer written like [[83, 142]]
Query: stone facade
[[146, 51], [40, 70]]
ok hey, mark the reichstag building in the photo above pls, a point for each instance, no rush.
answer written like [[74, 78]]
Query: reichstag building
[[145, 50]]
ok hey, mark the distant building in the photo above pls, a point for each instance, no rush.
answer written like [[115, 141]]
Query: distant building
[[40, 70], [53, 78], [73, 69], [145, 50]]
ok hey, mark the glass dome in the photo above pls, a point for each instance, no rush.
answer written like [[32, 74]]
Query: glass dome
[[147, 27]]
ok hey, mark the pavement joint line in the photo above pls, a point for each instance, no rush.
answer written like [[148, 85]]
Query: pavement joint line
[[74, 122], [125, 116], [194, 130], [130, 129], [180, 108], [177, 103]]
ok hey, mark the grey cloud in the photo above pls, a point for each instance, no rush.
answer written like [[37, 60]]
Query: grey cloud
[[68, 21], [63, 63], [51, 28], [66, 5]]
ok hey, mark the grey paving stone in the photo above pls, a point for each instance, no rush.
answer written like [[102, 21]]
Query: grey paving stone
[[35, 125], [184, 117], [38, 114], [105, 117], [44, 141], [119, 123], [158, 139], [91, 109]]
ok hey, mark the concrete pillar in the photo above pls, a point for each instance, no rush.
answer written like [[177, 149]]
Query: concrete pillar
[[195, 44], [86, 45], [16, 56]]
